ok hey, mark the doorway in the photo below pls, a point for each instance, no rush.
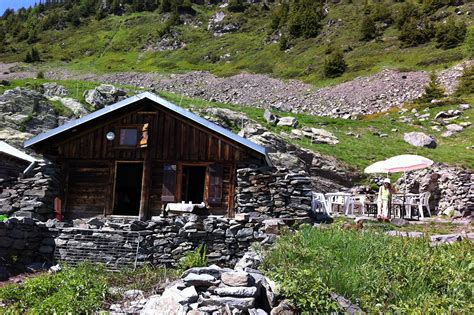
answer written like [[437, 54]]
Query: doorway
[[128, 188], [193, 182]]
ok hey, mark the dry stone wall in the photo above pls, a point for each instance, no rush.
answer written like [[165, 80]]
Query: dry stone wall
[[273, 192], [23, 241], [161, 241], [33, 196]]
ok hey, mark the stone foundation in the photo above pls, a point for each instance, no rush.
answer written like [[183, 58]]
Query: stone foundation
[[273, 192]]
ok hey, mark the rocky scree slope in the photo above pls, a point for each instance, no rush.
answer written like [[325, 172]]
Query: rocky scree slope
[[361, 96]]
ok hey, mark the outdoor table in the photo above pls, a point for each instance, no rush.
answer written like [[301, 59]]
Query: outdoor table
[[346, 200]]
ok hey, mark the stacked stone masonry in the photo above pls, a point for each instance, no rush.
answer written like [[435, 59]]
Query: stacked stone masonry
[[33, 195], [274, 192]]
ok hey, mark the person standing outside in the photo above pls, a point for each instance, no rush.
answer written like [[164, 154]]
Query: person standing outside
[[384, 199]]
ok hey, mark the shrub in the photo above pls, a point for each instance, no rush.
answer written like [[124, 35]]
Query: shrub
[[283, 43], [368, 29], [3, 218], [385, 274], [450, 34], [432, 91], [415, 32], [407, 11], [32, 56], [470, 43], [40, 75], [197, 258], [466, 83], [334, 65], [236, 6], [304, 18], [76, 290]]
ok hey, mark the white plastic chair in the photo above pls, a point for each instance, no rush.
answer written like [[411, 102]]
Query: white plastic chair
[[359, 200], [422, 201], [349, 203], [336, 200], [319, 202]]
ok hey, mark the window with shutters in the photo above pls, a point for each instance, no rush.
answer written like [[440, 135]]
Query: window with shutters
[[169, 183], [216, 172]]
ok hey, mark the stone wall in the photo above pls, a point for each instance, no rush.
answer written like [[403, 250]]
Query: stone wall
[[451, 188], [162, 241], [273, 192], [33, 196], [23, 241]]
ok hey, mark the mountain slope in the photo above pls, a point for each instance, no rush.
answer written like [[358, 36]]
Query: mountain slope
[[226, 43]]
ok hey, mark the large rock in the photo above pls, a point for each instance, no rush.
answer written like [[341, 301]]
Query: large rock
[[269, 117], [420, 139], [26, 110], [232, 302], [452, 129], [288, 122], [200, 280], [76, 107], [52, 89], [104, 94], [237, 291]]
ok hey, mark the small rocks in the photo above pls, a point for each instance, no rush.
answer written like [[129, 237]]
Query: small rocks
[[420, 139]]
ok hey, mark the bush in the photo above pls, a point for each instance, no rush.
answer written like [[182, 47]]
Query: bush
[[450, 34], [32, 56], [385, 274], [197, 258], [334, 65], [432, 92], [304, 18], [368, 29], [466, 83], [283, 43], [470, 43], [236, 6], [76, 290], [415, 32]]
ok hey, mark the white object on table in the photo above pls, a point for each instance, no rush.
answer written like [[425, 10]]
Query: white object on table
[[340, 198], [183, 207]]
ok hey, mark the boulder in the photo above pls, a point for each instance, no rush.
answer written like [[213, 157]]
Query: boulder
[[52, 89], [452, 129], [104, 94], [284, 308], [76, 107], [288, 121], [232, 302], [420, 139], [269, 117], [167, 304]]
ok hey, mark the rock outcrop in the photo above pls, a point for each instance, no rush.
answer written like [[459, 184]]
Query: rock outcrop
[[104, 94], [450, 187]]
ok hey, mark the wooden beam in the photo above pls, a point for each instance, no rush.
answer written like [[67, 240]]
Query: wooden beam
[[145, 193]]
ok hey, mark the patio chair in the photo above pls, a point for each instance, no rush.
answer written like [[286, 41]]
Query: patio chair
[[360, 200], [339, 201], [319, 203], [421, 202]]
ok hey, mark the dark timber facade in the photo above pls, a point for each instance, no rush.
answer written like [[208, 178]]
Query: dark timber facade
[[134, 157]]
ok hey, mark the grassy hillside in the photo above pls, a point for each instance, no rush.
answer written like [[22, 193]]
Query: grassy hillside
[[355, 152], [121, 43]]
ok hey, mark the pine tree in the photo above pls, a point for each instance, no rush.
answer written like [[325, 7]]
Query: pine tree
[[432, 91]]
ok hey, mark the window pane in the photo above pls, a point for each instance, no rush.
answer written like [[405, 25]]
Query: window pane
[[128, 137]]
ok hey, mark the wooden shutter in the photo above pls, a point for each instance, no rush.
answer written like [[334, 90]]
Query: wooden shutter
[[144, 136], [169, 183], [216, 172]]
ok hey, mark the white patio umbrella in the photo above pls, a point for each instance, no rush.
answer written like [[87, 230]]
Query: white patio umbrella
[[377, 167]]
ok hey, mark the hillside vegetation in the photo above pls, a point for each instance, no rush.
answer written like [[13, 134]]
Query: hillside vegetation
[[316, 41]]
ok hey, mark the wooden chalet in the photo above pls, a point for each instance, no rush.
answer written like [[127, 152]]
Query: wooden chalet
[[134, 157]]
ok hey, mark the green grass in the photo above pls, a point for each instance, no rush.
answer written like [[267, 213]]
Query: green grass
[[80, 290], [119, 43], [381, 273]]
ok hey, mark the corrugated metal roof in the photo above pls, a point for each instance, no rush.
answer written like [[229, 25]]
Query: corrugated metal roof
[[12, 151], [160, 101]]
